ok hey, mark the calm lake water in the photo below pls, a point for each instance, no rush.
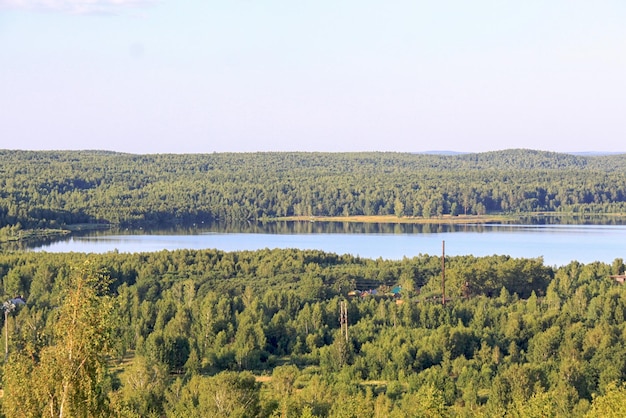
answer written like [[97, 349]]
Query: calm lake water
[[557, 244]]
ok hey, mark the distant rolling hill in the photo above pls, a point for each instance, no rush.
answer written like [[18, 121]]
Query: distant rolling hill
[[442, 152], [579, 153], [596, 153]]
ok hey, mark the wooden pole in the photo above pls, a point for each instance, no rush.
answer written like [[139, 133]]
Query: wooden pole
[[6, 334]]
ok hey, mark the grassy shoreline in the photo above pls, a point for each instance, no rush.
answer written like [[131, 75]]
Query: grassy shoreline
[[32, 234], [447, 219], [24, 235], [391, 219]]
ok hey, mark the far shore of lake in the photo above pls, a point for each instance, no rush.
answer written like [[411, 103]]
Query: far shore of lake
[[391, 219], [26, 235], [447, 219]]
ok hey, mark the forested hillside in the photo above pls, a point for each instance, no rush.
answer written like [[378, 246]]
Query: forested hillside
[[284, 332], [259, 334], [54, 189]]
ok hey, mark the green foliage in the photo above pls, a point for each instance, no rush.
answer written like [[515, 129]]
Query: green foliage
[[184, 331], [226, 395], [68, 376], [143, 387], [611, 404], [46, 189]]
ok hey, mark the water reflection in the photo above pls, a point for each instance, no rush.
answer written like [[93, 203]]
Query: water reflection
[[24, 245], [271, 228], [557, 244], [329, 227], [564, 223], [303, 227]]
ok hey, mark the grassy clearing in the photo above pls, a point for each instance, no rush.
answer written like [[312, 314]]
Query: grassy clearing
[[390, 219]]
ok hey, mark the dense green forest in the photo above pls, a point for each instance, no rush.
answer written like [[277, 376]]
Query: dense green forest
[[45, 189], [260, 334], [284, 333]]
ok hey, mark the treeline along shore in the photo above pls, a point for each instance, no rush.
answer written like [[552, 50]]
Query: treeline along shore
[[52, 190]]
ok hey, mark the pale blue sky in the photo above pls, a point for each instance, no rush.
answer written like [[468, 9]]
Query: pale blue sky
[[180, 76]]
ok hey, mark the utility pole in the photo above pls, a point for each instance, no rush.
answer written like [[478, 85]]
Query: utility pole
[[443, 272], [7, 307], [6, 334]]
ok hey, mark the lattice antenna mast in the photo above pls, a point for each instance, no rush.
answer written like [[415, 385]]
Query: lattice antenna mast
[[343, 318]]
